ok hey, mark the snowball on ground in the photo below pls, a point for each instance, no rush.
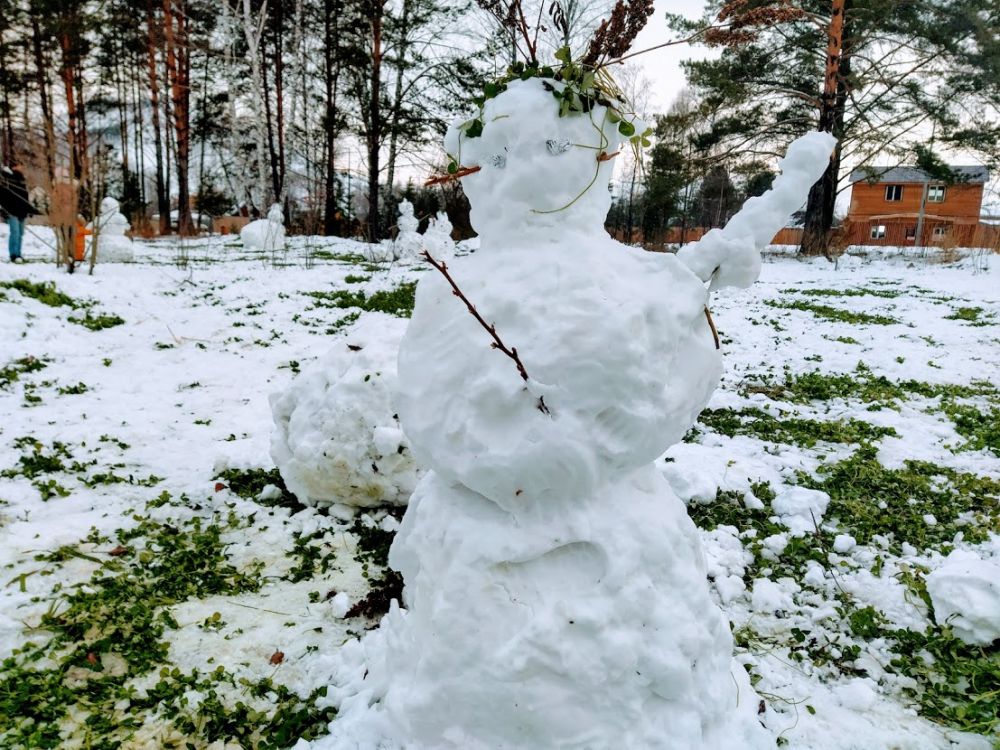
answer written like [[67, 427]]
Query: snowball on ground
[[965, 592], [800, 509], [336, 436]]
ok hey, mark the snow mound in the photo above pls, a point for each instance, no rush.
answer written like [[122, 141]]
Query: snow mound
[[336, 436], [965, 592], [265, 234]]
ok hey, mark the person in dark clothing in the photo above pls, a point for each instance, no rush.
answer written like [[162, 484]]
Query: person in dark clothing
[[14, 202]]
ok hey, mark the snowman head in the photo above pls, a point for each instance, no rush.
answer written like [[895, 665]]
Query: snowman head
[[109, 206], [542, 176]]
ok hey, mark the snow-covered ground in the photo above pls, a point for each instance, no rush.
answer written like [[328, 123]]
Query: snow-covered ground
[[156, 591]]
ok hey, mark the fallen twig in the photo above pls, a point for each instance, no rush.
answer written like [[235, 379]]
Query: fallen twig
[[605, 156], [491, 329]]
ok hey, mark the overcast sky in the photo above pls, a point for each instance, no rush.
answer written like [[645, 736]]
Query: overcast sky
[[663, 66]]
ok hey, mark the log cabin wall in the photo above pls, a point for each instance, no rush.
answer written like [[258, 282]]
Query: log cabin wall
[[960, 201]]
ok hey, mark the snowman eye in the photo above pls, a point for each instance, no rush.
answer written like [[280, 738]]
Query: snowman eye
[[498, 161], [557, 147]]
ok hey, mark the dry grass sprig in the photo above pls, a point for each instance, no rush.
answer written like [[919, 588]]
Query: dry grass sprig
[[491, 328], [617, 32], [742, 24]]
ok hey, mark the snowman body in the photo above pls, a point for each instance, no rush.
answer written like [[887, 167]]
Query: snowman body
[[556, 593], [110, 227]]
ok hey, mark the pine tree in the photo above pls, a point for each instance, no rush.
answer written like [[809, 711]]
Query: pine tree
[[878, 74]]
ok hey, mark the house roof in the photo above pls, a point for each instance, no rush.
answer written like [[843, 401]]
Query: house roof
[[967, 174]]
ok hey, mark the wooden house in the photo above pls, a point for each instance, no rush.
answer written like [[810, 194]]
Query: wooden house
[[904, 206]]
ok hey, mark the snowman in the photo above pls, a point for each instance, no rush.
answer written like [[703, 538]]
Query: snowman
[[406, 246], [266, 234], [110, 227], [437, 238], [555, 588]]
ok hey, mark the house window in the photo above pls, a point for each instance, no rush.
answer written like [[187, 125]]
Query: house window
[[911, 233], [935, 193], [878, 231], [940, 231], [894, 192]]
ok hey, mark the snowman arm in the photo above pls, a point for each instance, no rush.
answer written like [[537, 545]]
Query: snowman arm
[[731, 256]]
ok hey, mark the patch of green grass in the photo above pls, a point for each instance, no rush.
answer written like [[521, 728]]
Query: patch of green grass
[[957, 684], [37, 460], [834, 313], [858, 292], [44, 292], [795, 430], [971, 315], [861, 384], [981, 429], [729, 509], [117, 618], [249, 483], [72, 390], [398, 301], [48, 294], [311, 557], [11, 373], [351, 258], [97, 322], [867, 499], [352, 278]]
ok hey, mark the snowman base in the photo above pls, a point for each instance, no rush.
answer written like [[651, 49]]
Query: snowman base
[[581, 624], [114, 250]]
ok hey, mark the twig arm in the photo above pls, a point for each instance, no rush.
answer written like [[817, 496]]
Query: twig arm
[[490, 328]]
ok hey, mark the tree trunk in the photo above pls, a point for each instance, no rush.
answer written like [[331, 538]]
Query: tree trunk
[[375, 119], [331, 72], [397, 96], [818, 225], [254, 34], [152, 44], [271, 151], [66, 73], [179, 71], [43, 91], [279, 105]]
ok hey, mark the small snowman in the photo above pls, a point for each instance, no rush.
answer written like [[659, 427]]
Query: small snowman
[[408, 242], [110, 227], [437, 238], [555, 587], [267, 234]]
